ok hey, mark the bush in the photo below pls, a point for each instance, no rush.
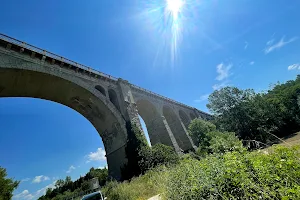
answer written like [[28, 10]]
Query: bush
[[198, 129], [222, 142], [234, 175], [159, 154]]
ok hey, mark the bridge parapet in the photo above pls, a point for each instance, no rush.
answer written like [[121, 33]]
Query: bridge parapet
[[137, 88], [54, 58]]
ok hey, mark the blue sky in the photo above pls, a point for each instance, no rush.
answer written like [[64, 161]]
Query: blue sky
[[243, 43]]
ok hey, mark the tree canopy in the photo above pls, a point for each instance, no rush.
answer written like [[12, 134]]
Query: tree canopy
[[7, 185], [258, 116]]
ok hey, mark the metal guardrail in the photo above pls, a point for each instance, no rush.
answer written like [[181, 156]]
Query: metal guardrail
[[53, 56], [70, 62]]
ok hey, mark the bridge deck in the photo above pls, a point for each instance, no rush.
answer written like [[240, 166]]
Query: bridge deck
[[22, 47]]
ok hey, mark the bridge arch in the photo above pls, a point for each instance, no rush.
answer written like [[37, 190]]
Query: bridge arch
[[193, 116], [156, 129], [114, 98], [184, 118], [100, 89], [176, 128], [19, 78]]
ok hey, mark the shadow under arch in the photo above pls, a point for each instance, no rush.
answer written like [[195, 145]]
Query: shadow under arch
[[114, 98], [70, 91], [193, 116], [156, 129], [178, 131], [184, 118]]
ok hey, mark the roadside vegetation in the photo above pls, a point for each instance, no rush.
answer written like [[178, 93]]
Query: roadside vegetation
[[235, 158], [238, 155]]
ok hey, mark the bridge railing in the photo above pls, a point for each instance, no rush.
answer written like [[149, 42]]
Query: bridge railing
[[53, 56]]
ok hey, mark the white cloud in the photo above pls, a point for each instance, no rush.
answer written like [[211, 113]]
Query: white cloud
[[40, 178], [71, 168], [271, 46], [25, 195], [42, 191], [219, 86], [246, 45], [25, 180], [98, 155], [294, 66], [223, 71], [202, 98], [251, 63]]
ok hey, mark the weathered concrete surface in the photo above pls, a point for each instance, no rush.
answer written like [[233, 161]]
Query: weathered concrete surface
[[107, 102]]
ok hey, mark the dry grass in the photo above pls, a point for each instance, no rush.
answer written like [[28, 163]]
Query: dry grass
[[292, 140]]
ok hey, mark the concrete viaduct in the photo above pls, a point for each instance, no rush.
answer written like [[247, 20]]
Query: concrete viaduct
[[107, 102]]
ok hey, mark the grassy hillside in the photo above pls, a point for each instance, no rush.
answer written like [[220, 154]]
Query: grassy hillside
[[233, 175]]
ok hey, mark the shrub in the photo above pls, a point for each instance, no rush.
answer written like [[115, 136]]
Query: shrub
[[197, 130], [235, 175], [159, 154], [218, 142], [222, 142]]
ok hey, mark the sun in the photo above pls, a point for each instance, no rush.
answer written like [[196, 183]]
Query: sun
[[175, 6]]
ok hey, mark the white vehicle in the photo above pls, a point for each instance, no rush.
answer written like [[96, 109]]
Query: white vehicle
[[93, 196]]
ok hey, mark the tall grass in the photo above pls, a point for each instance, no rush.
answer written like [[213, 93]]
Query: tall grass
[[139, 188], [272, 174]]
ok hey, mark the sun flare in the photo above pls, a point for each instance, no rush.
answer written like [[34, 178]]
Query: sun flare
[[174, 6]]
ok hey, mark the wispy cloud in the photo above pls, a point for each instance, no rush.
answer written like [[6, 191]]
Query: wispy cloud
[[294, 66], [202, 98], [98, 155], [26, 195], [71, 168], [251, 63], [40, 178], [272, 45], [220, 85], [246, 45], [25, 180], [223, 71]]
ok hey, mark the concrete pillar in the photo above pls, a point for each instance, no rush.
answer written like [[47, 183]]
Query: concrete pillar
[[171, 135], [187, 134], [116, 161]]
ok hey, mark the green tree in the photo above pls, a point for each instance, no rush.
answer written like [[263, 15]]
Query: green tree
[[243, 112], [7, 185], [158, 154], [48, 191], [222, 142], [68, 180], [85, 186], [59, 183], [197, 130]]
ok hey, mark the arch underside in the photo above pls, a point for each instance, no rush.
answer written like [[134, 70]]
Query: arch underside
[[16, 82], [184, 118], [156, 129], [177, 129]]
